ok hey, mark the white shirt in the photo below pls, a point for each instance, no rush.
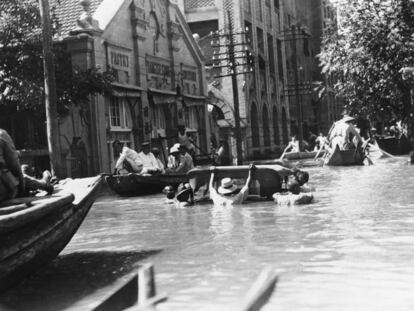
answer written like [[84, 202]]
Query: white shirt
[[132, 157], [148, 160]]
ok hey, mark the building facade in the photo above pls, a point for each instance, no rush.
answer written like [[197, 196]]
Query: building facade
[[160, 79], [264, 108]]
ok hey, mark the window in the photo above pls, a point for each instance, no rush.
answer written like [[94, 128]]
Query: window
[[119, 117]]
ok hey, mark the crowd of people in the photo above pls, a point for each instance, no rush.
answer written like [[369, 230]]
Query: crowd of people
[[148, 161]]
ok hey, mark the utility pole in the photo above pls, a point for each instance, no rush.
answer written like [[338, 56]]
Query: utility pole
[[231, 57], [297, 93], [52, 123]]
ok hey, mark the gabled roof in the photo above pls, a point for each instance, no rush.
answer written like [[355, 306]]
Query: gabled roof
[[68, 12]]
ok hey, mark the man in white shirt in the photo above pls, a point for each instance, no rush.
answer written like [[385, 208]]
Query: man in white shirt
[[148, 160], [341, 134], [129, 161], [228, 194]]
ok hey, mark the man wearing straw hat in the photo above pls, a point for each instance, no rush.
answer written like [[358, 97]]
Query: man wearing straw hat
[[344, 135], [228, 193]]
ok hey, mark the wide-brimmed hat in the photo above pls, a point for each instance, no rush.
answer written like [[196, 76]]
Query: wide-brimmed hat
[[347, 118], [227, 186], [145, 144], [175, 148]]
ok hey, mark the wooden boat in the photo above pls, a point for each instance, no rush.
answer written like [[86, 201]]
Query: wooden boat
[[344, 157], [136, 184], [268, 176], [394, 145], [303, 155], [34, 230]]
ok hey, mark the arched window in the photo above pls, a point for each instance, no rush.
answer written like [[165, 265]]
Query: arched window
[[266, 129], [284, 127], [276, 137], [255, 126]]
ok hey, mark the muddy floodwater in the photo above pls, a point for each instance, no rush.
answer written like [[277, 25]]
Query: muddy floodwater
[[352, 249]]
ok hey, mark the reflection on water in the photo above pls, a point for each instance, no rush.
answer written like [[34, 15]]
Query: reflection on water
[[350, 250]]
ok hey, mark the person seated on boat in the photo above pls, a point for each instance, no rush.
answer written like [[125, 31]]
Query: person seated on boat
[[156, 152], [344, 135], [148, 160], [228, 193], [185, 195], [128, 162], [321, 142], [11, 176], [293, 145], [32, 184], [293, 195], [179, 161]]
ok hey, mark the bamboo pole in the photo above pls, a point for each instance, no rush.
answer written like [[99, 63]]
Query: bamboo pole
[[50, 91]]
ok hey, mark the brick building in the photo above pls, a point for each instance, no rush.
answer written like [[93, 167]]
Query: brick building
[[160, 79], [264, 109]]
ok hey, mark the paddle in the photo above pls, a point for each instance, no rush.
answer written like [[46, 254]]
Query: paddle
[[382, 151], [319, 151]]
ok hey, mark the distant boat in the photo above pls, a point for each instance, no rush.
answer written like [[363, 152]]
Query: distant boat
[[135, 184], [394, 145], [34, 230], [344, 157], [303, 155], [268, 176]]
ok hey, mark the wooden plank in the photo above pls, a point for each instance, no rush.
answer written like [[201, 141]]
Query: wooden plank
[[261, 291]]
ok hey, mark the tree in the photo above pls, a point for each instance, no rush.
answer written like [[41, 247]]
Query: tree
[[21, 69], [367, 55]]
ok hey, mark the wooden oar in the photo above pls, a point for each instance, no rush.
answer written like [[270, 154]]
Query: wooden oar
[[382, 151]]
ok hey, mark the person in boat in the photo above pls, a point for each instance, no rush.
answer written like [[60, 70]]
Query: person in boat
[[320, 142], [293, 196], [179, 161], [11, 176], [128, 161], [148, 160], [32, 184], [344, 135], [293, 145], [156, 152], [228, 193]]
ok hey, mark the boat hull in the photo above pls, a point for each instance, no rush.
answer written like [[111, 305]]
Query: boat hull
[[394, 145], [303, 155], [135, 184], [268, 176], [344, 158], [31, 241]]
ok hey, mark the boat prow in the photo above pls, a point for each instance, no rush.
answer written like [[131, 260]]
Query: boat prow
[[34, 230]]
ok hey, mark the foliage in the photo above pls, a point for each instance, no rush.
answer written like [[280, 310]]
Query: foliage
[[21, 63], [367, 55]]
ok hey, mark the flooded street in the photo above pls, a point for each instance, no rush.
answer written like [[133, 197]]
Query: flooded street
[[350, 250]]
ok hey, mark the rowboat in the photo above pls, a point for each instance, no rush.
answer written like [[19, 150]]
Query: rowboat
[[135, 184], [344, 157], [269, 177], [303, 155], [34, 230], [394, 145]]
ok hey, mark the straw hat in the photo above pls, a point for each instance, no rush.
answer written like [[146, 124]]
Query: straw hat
[[175, 148], [227, 186], [347, 118]]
